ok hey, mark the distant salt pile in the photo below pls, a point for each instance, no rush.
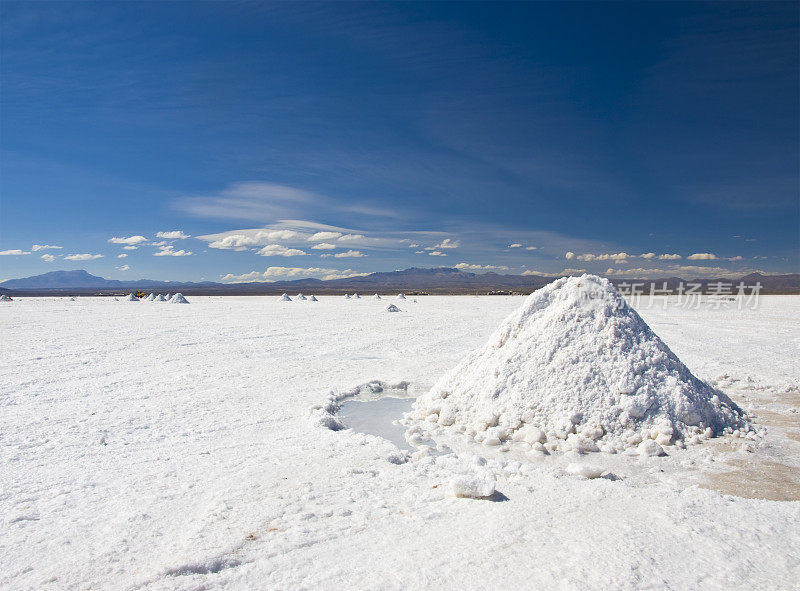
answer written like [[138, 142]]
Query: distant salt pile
[[150, 298], [131, 298], [5, 298], [285, 298], [313, 299], [576, 368], [178, 299], [376, 296], [300, 296], [356, 296], [392, 308], [347, 296], [168, 297], [400, 296], [72, 299], [160, 298]]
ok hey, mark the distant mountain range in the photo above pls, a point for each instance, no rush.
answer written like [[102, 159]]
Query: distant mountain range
[[436, 280]]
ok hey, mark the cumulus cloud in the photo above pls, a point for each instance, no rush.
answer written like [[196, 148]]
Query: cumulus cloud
[[172, 235], [130, 240], [437, 253], [572, 272], [83, 257], [244, 241], [324, 246], [13, 252], [686, 271], [701, 256], [619, 256], [736, 258], [36, 247], [413, 245], [123, 268], [130, 247], [278, 250], [569, 255], [528, 272], [272, 273], [167, 251], [531, 248], [319, 236], [472, 267], [446, 243], [648, 255], [347, 237], [121, 256], [350, 254], [515, 245], [669, 257], [346, 274], [48, 258]]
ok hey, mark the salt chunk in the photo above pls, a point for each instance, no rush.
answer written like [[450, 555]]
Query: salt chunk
[[584, 470], [472, 487]]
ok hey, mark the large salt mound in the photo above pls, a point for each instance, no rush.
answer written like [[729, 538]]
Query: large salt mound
[[576, 368], [285, 298], [178, 299], [131, 298], [160, 298], [5, 298]]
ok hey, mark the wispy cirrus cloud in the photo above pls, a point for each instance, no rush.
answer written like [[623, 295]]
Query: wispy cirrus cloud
[[83, 257], [36, 247], [14, 252]]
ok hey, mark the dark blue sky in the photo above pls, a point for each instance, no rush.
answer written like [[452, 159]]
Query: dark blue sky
[[642, 129]]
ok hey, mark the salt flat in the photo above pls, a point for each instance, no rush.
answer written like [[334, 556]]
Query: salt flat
[[149, 445]]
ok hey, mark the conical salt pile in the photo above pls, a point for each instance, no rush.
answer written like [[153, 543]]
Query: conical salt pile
[[151, 297], [577, 368], [392, 308], [347, 296], [313, 298], [160, 298], [300, 296], [285, 298], [356, 296], [131, 298], [376, 296], [178, 299], [5, 298], [400, 296]]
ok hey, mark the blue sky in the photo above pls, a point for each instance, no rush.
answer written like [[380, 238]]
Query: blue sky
[[324, 140]]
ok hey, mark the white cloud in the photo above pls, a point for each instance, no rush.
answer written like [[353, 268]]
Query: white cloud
[[569, 255], [347, 237], [130, 247], [130, 240], [244, 241], [736, 258], [413, 245], [619, 256], [472, 267], [437, 253], [13, 252], [121, 256], [350, 254], [669, 257], [572, 272], [36, 247], [648, 255], [278, 250], [83, 257], [701, 256], [324, 236], [167, 251], [531, 248], [515, 245], [159, 243], [324, 246], [346, 274], [277, 272], [686, 271], [48, 258], [124, 268], [445, 244], [172, 235]]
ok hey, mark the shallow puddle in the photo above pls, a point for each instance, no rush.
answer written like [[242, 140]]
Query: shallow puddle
[[377, 417]]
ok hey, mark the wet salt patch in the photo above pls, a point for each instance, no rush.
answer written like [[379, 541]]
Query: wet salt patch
[[377, 417]]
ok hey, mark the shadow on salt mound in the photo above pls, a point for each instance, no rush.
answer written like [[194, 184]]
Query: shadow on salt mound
[[392, 308], [575, 368], [313, 298], [285, 298], [300, 296], [178, 299]]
